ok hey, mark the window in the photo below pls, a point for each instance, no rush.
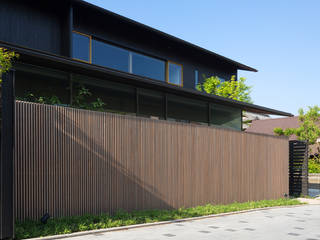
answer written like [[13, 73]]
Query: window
[[118, 98], [151, 103], [81, 47], [196, 78], [175, 72], [103, 54], [187, 109], [34, 83], [226, 116], [148, 67], [106, 55]]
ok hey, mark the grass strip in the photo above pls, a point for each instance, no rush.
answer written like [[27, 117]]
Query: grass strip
[[55, 226]]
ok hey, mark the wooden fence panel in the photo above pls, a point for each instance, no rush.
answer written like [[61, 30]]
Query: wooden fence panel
[[71, 162]]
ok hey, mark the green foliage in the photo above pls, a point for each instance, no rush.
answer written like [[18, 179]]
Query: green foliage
[[314, 165], [309, 126], [32, 229], [278, 131], [98, 105], [80, 100], [6, 60], [30, 97], [234, 89]]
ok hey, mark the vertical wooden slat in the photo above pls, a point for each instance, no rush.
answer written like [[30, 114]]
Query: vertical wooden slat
[[71, 162]]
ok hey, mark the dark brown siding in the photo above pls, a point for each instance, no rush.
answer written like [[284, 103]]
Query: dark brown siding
[[71, 162]]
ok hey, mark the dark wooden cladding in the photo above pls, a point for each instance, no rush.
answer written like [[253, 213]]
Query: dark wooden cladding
[[7, 104], [71, 162], [298, 168]]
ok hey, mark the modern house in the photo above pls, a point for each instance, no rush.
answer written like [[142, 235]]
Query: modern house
[[164, 145], [130, 67]]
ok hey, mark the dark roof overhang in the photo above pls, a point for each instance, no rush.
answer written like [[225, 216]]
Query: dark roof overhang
[[168, 37], [69, 65]]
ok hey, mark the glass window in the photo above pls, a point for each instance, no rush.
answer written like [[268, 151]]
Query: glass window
[[106, 55], [116, 97], [196, 78], [148, 67], [81, 47], [226, 116], [187, 109], [151, 103], [43, 85], [174, 73]]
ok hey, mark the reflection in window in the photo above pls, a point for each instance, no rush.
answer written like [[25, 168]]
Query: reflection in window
[[196, 78], [174, 73], [110, 56], [148, 67], [187, 109], [151, 103], [81, 47], [226, 116], [38, 84], [119, 98]]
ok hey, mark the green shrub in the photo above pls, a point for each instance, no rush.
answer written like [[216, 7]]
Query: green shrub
[[54, 226], [314, 166]]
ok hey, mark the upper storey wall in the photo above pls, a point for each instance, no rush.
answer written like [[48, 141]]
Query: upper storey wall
[[48, 25], [34, 24], [128, 35]]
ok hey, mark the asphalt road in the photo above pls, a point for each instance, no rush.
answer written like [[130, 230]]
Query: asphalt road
[[301, 222]]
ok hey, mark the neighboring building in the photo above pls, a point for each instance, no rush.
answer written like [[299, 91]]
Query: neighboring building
[[267, 126], [248, 117], [132, 68]]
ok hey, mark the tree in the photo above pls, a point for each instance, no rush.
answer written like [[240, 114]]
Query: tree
[[234, 89], [309, 126], [6, 60]]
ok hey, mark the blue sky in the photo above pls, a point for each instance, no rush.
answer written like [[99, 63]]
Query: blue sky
[[279, 38]]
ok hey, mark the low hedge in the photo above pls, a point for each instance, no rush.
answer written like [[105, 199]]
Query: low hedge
[[54, 226]]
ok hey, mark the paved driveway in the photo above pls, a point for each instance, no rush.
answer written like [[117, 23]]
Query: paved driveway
[[301, 222]]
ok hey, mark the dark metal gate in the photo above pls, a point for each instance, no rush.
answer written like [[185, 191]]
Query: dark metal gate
[[298, 168]]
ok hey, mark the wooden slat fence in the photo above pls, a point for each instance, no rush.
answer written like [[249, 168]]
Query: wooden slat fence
[[71, 162]]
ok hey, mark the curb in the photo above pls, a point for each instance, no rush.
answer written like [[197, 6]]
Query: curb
[[77, 234]]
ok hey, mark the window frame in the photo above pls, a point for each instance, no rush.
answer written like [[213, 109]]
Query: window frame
[[167, 62], [90, 47], [167, 73]]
